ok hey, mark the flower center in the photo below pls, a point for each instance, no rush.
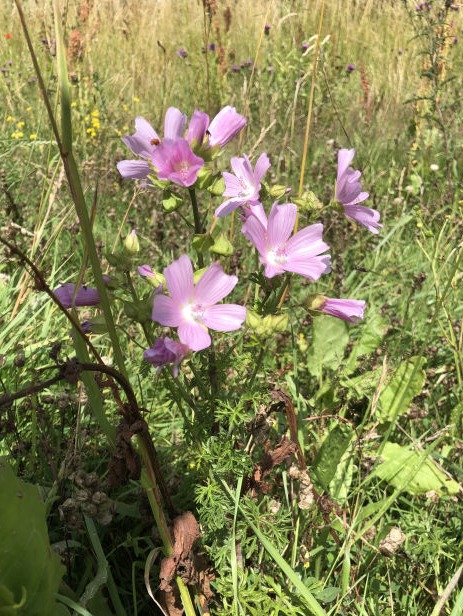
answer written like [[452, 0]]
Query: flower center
[[193, 313], [182, 167], [278, 256]]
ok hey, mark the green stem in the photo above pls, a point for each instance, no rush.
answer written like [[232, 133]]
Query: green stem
[[258, 364], [198, 226], [133, 293]]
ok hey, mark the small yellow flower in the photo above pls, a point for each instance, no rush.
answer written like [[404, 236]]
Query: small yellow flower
[[74, 104], [17, 135], [136, 99], [32, 136], [20, 124], [125, 108], [95, 114], [125, 128], [10, 119], [96, 123], [29, 109]]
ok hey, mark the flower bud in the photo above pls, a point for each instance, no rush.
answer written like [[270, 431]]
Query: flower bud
[[131, 245]]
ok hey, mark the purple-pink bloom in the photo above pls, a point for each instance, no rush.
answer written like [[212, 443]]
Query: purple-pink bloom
[[197, 128], [226, 125], [349, 193], [350, 310], [166, 351], [182, 53], [194, 308], [176, 162], [85, 296], [243, 187], [145, 140], [300, 254]]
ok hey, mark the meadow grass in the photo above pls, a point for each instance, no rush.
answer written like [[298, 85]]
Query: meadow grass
[[396, 379]]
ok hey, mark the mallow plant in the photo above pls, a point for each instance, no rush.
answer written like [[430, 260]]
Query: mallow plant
[[209, 319]]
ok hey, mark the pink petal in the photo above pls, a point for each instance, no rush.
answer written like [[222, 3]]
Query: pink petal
[[194, 335], [281, 221], [141, 141], [271, 270], [261, 168], [365, 216], [166, 311], [255, 233], [174, 123], [214, 285], [307, 242], [133, 169], [345, 157], [197, 127], [226, 124], [179, 279], [350, 310], [227, 207], [311, 267], [233, 185], [224, 317], [362, 196]]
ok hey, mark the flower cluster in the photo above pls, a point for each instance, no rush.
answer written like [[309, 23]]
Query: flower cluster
[[192, 303], [177, 156]]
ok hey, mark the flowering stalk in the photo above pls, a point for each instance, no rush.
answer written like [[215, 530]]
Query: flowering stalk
[[197, 218]]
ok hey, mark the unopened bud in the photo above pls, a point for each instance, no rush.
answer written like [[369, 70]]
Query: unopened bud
[[131, 245]]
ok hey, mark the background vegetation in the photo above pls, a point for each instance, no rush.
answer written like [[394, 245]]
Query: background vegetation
[[389, 84]]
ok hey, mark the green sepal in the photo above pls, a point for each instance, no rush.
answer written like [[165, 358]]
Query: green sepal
[[171, 201], [202, 242], [222, 246], [308, 202]]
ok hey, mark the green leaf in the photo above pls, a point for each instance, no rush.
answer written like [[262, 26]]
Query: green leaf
[[413, 471], [330, 454], [406, 383], [329, 341], [28, 566]]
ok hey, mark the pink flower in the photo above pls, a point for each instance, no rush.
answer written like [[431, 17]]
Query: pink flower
[[194, 308], [350, 310], [85, 296], [281, 253], [349, 193], [166, 351], [145, 140], [226, 124], [176, 162], [243, 187]]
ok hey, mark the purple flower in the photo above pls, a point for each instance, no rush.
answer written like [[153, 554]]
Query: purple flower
[[281, 253], [235, 68], [211, 47], [349, 193], [304, 46], [176, 162], [243, 187], [194, 308], [166, 351], [145, 140], [197, 128], [85, 296], [267, 29], [350, 310], [350, 68], [182, 53]]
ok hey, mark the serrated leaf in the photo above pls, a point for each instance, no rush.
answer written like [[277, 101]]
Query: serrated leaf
[[406, 383], [413, 471], [26, 558], [329, 341]]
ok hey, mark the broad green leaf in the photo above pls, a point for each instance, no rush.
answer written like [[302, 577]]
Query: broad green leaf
[[413, 471], [29, 568], [342, 480], [329, 341], [372, 333], [202, 242], [330, 454], [406, 383]]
